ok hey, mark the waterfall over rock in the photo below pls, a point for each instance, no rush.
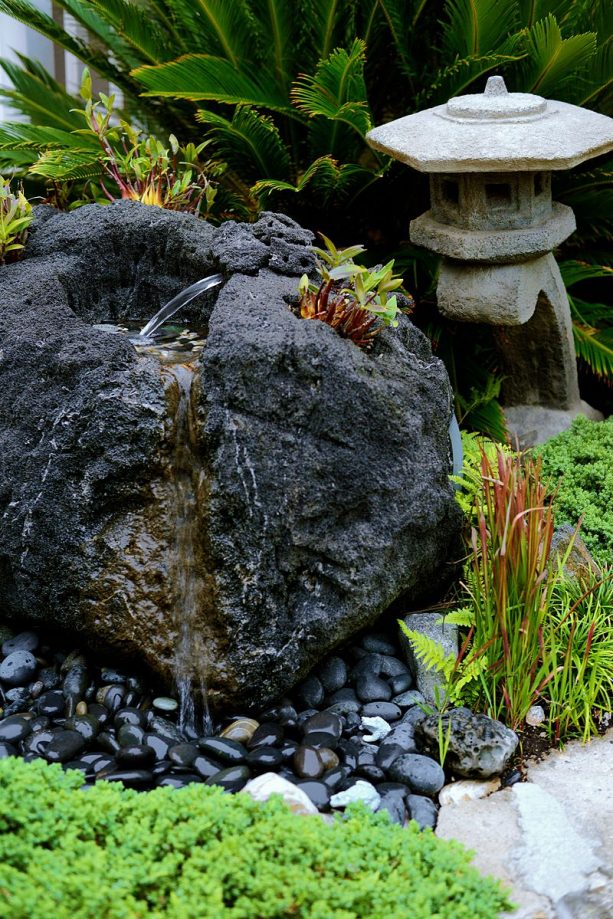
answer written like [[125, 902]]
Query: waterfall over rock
[[318, 493]]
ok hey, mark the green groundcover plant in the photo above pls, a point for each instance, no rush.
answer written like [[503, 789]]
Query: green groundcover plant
[[112, 853], [580, 461]]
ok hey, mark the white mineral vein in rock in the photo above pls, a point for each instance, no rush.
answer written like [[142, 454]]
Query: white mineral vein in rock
[[361, 791], [379, 727], [553, 858]]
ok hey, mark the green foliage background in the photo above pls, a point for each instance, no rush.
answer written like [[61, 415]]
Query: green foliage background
[[119, 854]]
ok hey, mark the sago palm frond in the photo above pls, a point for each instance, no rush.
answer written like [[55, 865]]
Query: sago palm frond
[[595, 347], [139, 32], [478, 27], [554, 61], [38, 96], [67, 165], [249, 143]]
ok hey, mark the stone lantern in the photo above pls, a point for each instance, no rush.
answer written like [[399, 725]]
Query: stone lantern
[[490, 157]]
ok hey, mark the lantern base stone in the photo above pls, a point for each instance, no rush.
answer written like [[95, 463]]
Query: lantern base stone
[[534, 424]]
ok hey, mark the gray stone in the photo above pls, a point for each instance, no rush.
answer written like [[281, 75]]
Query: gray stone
[[422, 810], [478, 746], [18, 668], [428, 681], [290, 420], [423, 775], [333, 675]]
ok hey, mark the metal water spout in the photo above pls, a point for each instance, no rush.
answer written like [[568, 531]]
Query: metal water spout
[[490, 157], [181, 299]]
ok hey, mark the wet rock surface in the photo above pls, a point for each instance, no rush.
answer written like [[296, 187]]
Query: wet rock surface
[[326, 756], [296, 540], [479, 747]]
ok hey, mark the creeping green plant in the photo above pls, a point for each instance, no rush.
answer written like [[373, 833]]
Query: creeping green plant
[[15, 218]]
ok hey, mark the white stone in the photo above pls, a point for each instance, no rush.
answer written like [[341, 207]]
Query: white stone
[[536, 715], [467, 790], [378, 726], [262, 787], [361, 791]]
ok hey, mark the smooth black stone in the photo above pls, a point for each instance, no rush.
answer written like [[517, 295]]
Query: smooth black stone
[[66, 745], [206, 767], [395, 807], [318, 792], [371, 688], [283, 714], [386, 710], [304, 716], [232, 779], [422, 810], [369, 665], [49, 677], [83, 767], [391, 667], [370, 771], [403, 736], [344, 708], [177, 781], [36, 689], [129, 716], [7, 749], [76, 681], [40, 723], [268, 734], [51, 703], [164, 728], [387, 753], [113, 698], [310, 693], [92, 758], [131, 778], [85, 725], [137, 757], [25, 641], [400, 683], [355, 653], [130, 734], [161, 767], [393, 788], [352, 725], [108, 742], [288, 748], [18, 668], [307, 763], [18, 694], [159, 745], [346, 694], [413, 716], [99, 712], [102, 763], [348, 752], [333, 674], [113, 677], [264, 759], [14, 728], [15, 708], [183, 754], [287, 774], [333, 778], [512, 778], [423, 775], [90, 693], [409, 699], [227, 751], [131, 698], [378, 644], [324, 723], [135, 684], [31, 757], [38, 742]]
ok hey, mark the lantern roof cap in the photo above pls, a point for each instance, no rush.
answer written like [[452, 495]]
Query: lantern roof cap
[[495, 131]]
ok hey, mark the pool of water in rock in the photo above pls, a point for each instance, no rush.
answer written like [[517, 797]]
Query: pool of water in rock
[[173, 343]]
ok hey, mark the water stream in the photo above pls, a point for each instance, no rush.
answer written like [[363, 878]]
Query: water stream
[[190, 663], [185, 296]]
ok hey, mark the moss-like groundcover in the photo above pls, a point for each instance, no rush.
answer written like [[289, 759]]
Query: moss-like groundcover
[[198, 853], [579, 462]]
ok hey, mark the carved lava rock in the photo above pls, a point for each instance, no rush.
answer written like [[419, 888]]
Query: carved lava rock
[[320, 473]]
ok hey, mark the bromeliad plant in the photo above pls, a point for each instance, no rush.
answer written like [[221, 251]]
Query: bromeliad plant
[[531, 632], [15, 219], [352, 310]]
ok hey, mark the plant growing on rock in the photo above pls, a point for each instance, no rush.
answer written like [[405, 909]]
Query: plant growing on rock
[[352, 310], [15, 218]]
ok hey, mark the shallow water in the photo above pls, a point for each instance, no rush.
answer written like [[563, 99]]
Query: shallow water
[[172, 343]]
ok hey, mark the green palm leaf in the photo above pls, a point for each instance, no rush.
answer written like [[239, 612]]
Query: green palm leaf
[[37, 95], [324, 172], [250, 143], [21, 134], [478, 27], [595, 347], [84, 13], [67, 165], [138, 30], [202, 76], [554, 61], [228, 27]]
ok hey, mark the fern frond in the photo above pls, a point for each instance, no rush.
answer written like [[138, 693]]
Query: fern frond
[[429, 652], [464, 618]]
